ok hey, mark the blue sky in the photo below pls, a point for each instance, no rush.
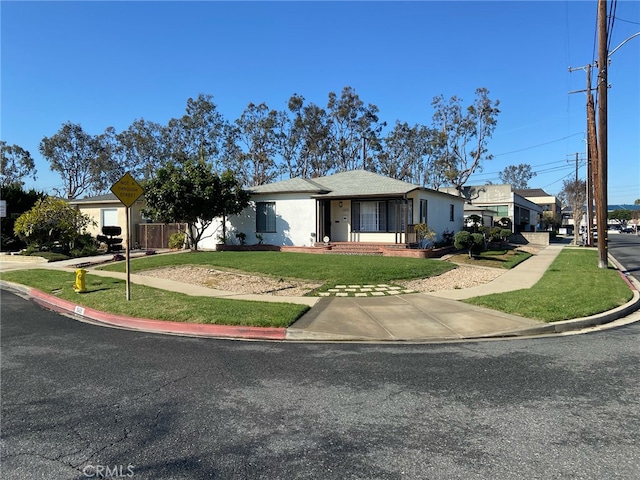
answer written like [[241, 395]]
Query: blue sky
[[104, 64]]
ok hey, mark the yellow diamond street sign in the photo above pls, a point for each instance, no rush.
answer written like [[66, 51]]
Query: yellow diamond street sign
[[127, 190]]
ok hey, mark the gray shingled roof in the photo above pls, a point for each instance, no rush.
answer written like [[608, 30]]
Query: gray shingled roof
[[355, 183], [293, 185], [107, 197], [532, 192]]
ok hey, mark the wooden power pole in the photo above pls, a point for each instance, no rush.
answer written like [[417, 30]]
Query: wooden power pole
[[601, 168]]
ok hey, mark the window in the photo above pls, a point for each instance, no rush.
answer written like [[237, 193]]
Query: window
[[109, 217], [501, 210], [265, 217], [423, 211], [378, 216], [452, 212]]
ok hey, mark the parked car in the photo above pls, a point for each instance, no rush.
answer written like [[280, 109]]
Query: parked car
[[627, 230]]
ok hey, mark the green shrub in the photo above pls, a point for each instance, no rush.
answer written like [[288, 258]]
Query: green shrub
[[472, 242], [176, 240]]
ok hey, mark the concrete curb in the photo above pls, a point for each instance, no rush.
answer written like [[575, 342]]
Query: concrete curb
[[148, 325], [281, 334], [578, 323]]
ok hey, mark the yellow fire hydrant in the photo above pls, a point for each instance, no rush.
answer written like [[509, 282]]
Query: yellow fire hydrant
[[79, 286]]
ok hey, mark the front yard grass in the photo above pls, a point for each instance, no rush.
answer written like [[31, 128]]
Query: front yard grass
[[331, 270], [506, 258], [572, 287], [109, 295]]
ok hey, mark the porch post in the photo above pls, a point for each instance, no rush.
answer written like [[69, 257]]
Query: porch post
[[319, 233], [406, 221]]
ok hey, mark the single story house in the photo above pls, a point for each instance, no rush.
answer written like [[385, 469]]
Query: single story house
[[353, 206], [107, 210]]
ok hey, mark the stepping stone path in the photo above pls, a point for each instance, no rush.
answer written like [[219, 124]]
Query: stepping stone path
[[380, 290]]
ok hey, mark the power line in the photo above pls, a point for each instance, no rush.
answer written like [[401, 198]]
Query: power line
[[539, 145]]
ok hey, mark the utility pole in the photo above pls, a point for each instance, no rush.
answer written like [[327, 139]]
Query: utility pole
[[592, 154], [592, 157], [601, 168], [577, 160]]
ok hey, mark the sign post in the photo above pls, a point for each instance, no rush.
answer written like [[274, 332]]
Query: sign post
[[128, 191]]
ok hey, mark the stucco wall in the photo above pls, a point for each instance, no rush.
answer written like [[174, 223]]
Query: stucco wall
[[295, 223], [95, 212]]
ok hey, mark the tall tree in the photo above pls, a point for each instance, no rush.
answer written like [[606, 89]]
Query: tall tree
[[144, 148], [198, 134], [15, 164], [406, 154], [257, 134], [574, 196], [517, 176], [463, 136], [111, 161], [355, 131], [75, 155], [312, 140], [191, 193]]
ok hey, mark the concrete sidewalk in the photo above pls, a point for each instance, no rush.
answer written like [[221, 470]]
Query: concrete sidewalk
[[418, 317]]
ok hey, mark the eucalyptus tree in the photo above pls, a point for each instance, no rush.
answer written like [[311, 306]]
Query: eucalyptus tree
[[76, 156], [308, 140], [517, 176], [144, 148], [289, 138], [354, 128], [111, 159], [463, 136], [257, 136], [407, 154], [199, 133], [16, 163]]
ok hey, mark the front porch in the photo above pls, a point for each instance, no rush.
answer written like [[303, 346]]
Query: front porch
[[382, 249]]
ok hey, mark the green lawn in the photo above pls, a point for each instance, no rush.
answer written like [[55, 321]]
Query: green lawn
[[507, 258], [572, 287], [329, 269], [109, 295]]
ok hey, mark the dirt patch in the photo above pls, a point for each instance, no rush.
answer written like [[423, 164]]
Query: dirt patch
[[233, 282]]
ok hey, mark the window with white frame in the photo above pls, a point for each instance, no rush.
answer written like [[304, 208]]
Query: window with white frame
[[109, 217]]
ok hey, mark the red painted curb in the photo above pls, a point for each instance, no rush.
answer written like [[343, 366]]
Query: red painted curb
[[160, 326], [626, 279]]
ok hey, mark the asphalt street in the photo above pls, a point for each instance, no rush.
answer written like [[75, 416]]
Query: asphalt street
[[82, 401], [626, 249]]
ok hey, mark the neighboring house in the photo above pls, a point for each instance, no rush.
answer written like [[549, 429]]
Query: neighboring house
[[353, 206], [550, 204], [108, 211], [505, 202]]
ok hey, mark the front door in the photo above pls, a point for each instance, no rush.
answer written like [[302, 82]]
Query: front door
[[340, 220]]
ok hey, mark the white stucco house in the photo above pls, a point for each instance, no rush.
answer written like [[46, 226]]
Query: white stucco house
[[353, 206]]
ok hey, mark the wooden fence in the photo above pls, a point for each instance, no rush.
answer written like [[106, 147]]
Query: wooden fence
[[156, 235]]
